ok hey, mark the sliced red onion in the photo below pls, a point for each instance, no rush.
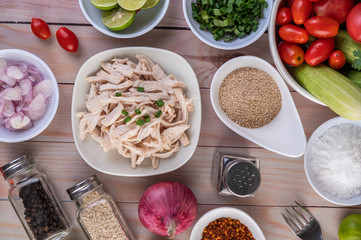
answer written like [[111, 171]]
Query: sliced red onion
[[44, 87], [19, 84], [8, 80], [15, 72], [3, 65], [20, 121], [8, 109], [11, 94], [36, 108], [36, 74]]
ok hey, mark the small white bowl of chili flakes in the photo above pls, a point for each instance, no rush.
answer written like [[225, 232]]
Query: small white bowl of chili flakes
[[226, 219], [251, 98]]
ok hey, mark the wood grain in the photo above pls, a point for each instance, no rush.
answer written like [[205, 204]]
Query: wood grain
[[204, 59], [69, 12], [268, 218]]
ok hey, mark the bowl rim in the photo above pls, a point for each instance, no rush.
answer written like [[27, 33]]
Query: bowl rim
[[307, 157], [214, 44], [55, 96], [135, 174], [239, 212], [278, 62], [131, 35]]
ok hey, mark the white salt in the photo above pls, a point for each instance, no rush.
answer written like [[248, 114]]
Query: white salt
[[336, 161]]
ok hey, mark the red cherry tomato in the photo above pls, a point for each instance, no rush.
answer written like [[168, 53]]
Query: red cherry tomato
[[282, 3], [336, 9], [301, 10], [293, 34], [284, 16], [322, 27], [290, 53], [353, 23], [290, 3], [314, 0], [337, 60], [40, 28], [319, 51], [67, 39]]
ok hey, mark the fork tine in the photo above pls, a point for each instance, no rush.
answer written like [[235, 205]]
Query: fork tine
[[296, 219], [300, 215], [291, 224], [305, 212]]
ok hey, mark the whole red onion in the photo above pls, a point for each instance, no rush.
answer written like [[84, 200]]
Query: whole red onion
[[167, 208]]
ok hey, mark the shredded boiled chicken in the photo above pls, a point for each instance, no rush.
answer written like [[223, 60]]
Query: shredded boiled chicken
[[115, 96]]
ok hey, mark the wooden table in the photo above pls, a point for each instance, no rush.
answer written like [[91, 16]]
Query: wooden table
[[283, 178]]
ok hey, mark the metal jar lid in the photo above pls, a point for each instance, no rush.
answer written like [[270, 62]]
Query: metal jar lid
[[242, 178], [83, 187], [17, 166]]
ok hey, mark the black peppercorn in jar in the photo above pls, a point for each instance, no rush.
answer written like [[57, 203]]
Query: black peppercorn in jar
[[34, 200]]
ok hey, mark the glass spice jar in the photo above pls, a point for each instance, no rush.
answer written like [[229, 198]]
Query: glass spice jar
[[34, 200], [97, 212]]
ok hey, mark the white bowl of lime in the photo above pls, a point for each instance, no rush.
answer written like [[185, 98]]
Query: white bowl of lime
[[124, 18]]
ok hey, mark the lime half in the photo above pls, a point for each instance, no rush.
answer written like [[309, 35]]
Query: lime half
[[150, 4], [132, 5], [105, 4], [118, 19]]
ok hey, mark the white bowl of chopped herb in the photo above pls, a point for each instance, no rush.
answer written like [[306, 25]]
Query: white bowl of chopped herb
[[227, 25], [251, 98]]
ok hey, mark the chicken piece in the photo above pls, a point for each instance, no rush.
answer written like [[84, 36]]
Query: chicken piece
[[92, 122], [113, 116], [145, 60], [109, 86], [152, 86], [103, 76], [118, 69], [82, 127], [184, 140], [160, 76], [169, 153], [172, 134]]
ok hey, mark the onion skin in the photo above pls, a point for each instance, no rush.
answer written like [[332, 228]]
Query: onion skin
[[167, 208]]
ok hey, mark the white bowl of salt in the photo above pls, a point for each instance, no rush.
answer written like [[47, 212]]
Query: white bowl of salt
[[333, 161]]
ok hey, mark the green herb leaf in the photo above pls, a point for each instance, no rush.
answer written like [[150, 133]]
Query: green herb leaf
[[157, 115], [140, 122], [125, 113], [356, 64], [159, 103], [127, 119]]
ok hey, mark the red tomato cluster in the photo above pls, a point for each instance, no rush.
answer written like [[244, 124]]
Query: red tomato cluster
[[66, 38], [308, 28]]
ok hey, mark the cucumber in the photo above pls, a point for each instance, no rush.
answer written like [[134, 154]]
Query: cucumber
[[348, 46], [338, 92], [353, 75]]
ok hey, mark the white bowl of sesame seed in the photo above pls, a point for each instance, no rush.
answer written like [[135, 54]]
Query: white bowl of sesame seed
[[268, 118]]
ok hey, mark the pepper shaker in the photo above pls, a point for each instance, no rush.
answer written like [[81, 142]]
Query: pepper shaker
[[237, 176], [97, 212], [34, 200]]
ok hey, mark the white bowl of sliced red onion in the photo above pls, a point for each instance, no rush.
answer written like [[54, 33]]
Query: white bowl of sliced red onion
[[29, 95]]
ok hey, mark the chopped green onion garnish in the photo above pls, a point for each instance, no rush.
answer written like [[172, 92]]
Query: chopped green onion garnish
[[137, 111], [118, 94], [157, 115], [127, 119], [140, 122], [140, 89], [146, 116], [159, 103], [147, 119], [125, 113]]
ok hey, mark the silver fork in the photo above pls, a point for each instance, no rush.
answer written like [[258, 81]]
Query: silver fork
[[302, 223]]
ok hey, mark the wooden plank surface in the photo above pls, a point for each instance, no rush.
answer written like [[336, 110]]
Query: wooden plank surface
[[283, 178]]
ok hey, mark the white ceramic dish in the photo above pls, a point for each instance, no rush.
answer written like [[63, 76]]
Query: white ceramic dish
[[234, 213], [308, 156], [276, 57], [144, 21], [52, 104], [111, 162], [284, 134], [207, 38]]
